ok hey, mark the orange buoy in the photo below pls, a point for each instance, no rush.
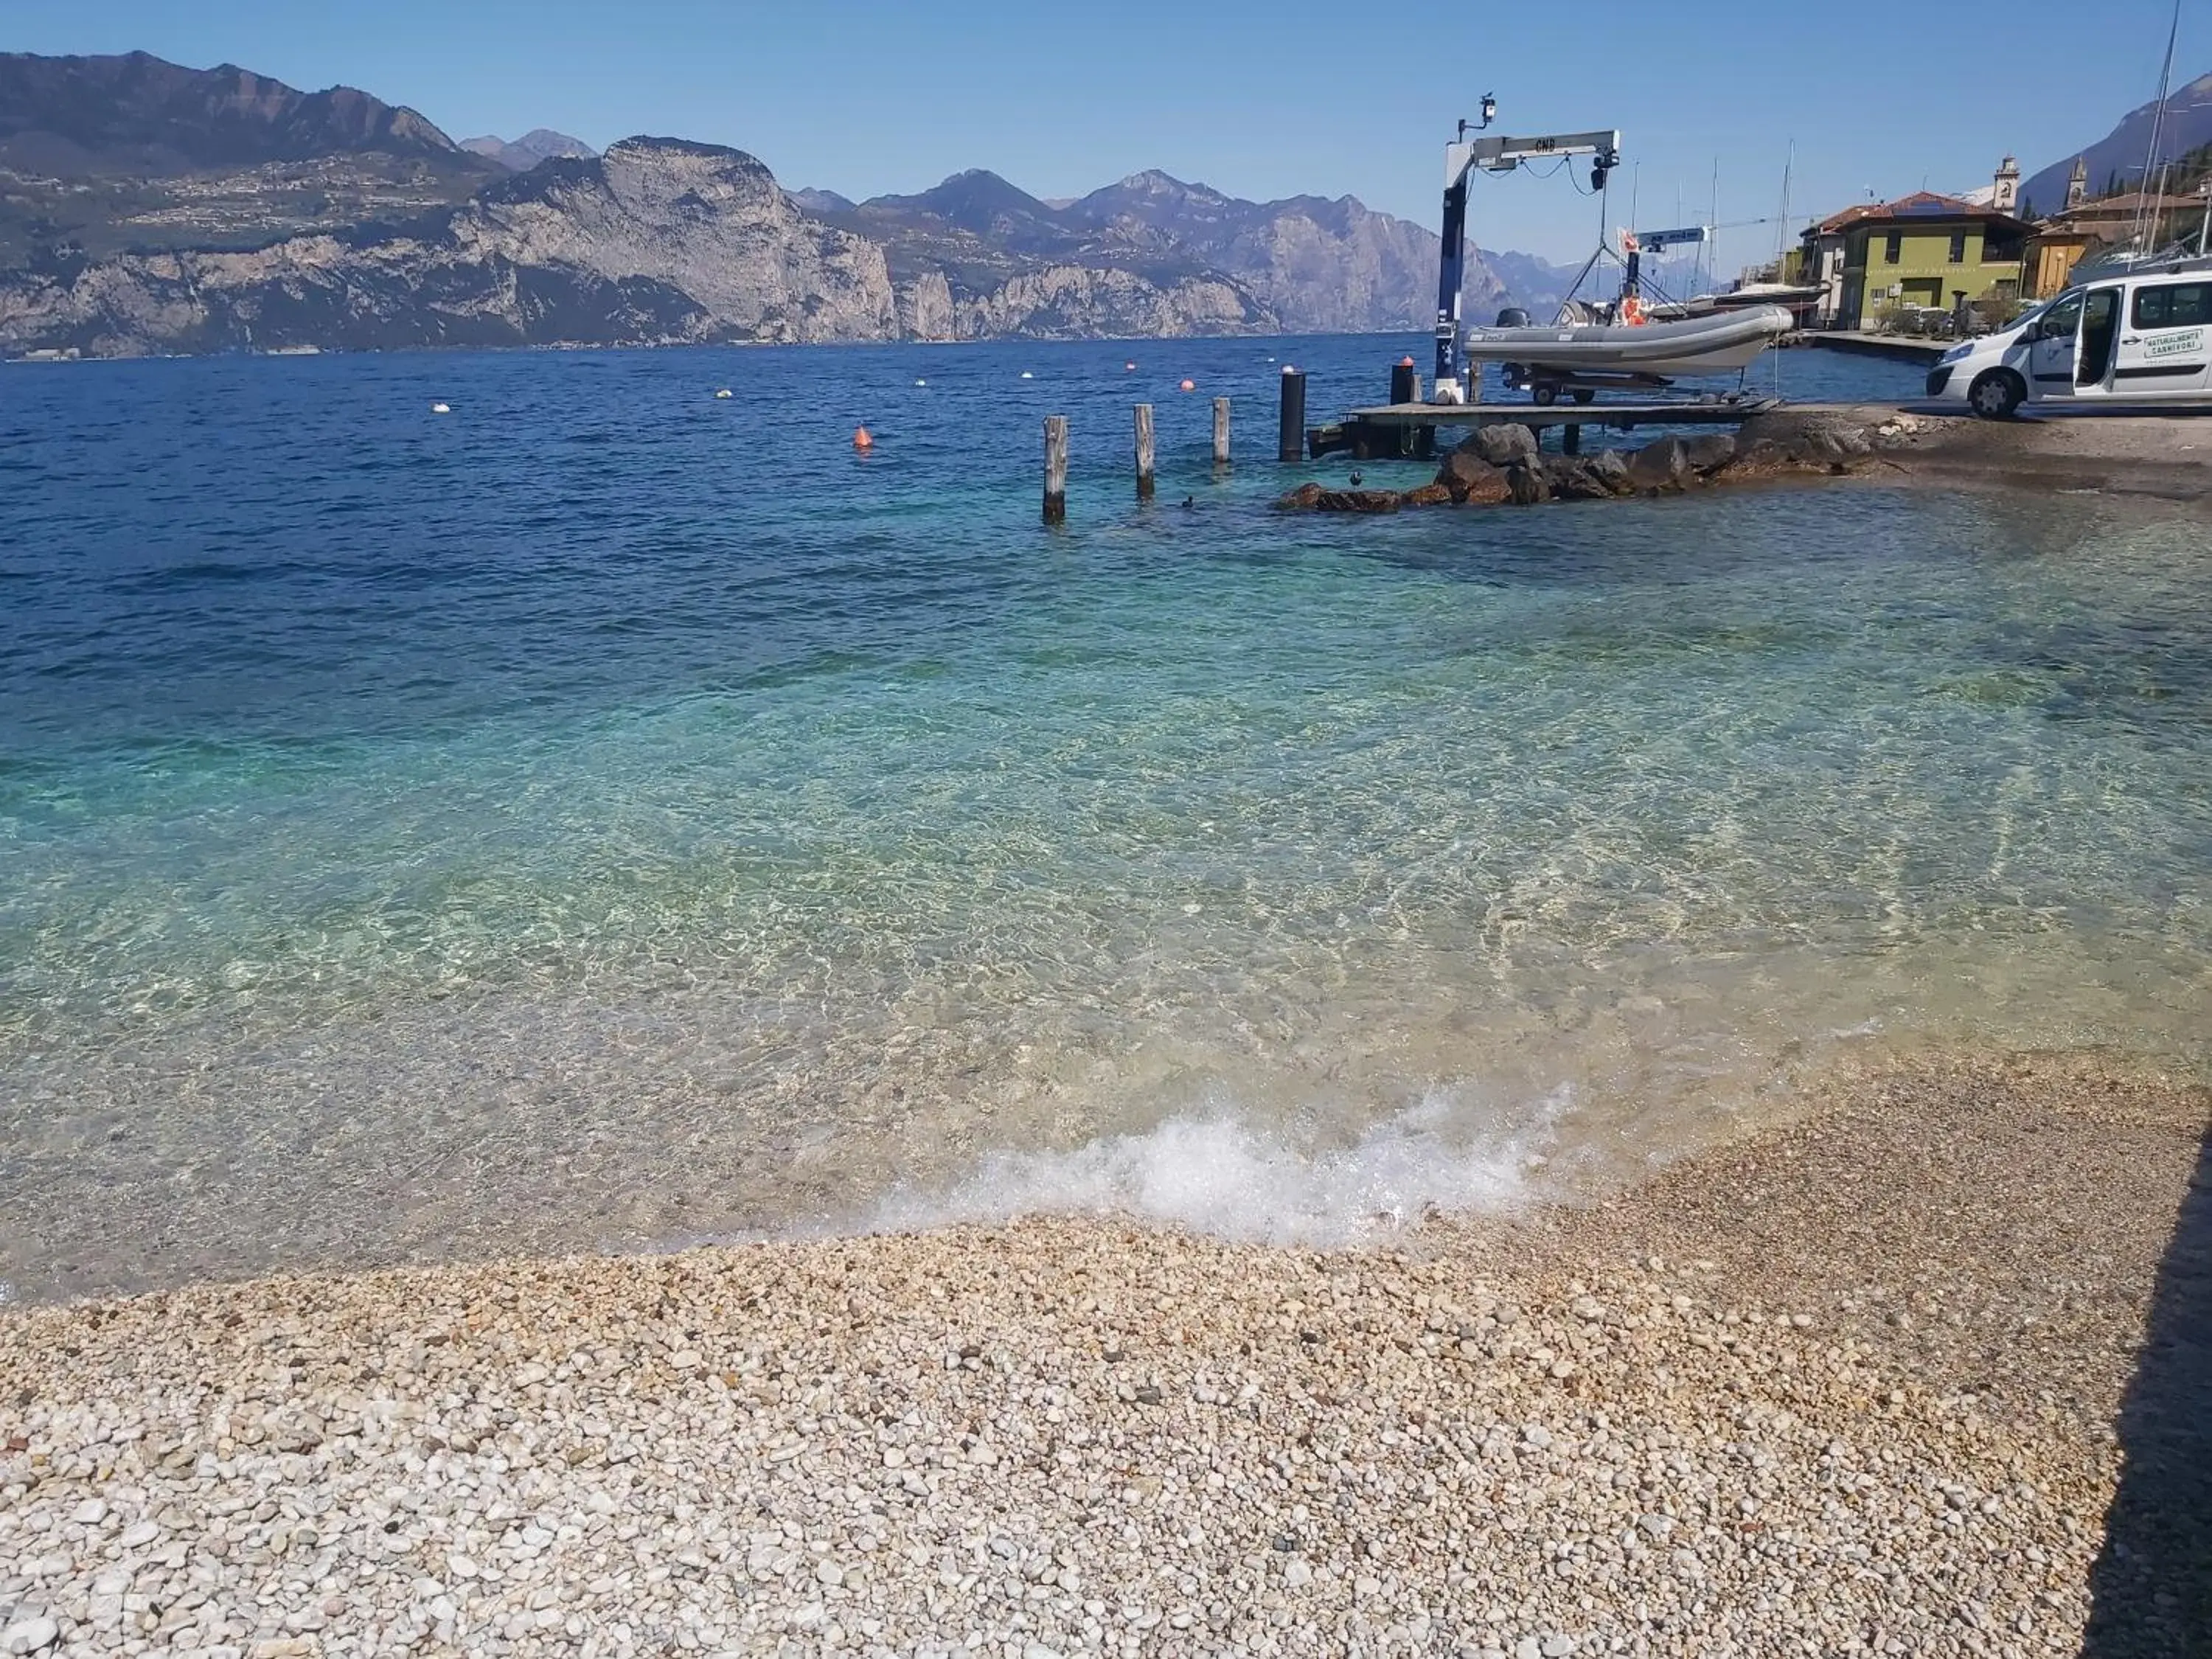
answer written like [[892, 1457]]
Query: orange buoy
[[1405, 362], [862, 440], [1190, 385]]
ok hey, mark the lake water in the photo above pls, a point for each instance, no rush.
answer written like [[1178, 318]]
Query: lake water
[[606, 815]]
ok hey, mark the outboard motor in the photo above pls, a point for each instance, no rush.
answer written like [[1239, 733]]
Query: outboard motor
[[1512, 317]]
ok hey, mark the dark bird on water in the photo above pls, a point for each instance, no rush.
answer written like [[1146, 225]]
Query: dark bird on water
[[1355, 481], [1190, 503]]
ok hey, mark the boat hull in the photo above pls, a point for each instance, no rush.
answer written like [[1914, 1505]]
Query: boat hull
[[1697, 345]]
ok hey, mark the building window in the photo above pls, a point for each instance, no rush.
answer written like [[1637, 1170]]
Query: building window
[[1958, 247], [1892, 246]]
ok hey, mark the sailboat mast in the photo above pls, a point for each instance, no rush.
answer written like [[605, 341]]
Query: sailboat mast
[[1713, 232], [1782, 224], [2157, 130]]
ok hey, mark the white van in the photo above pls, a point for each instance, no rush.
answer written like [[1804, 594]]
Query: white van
[[2134, 339]]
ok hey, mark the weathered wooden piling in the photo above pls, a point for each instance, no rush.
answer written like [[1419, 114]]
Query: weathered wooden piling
[[1221, 432], [1055, 469], [1570, 440], [1290, 438], [1144, 452]]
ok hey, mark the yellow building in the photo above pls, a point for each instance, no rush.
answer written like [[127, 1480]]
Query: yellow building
[[1923, 249]]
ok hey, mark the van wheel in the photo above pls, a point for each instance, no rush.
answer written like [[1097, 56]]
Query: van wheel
[[1996, 394]]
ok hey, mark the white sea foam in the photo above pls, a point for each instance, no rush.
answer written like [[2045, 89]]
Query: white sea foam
[[1219, 1172]]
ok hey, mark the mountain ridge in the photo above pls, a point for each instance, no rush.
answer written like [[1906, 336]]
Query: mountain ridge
[[2123, 150], [263, 216], [521, 155]]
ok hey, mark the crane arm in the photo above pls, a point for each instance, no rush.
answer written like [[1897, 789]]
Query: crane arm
[[1493, 154]]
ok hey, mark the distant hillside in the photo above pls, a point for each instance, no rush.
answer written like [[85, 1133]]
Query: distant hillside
[[138, 116], [657, 242], [149, 208], [541, 144], [1314, 264], [2117, 158], [102, 154]]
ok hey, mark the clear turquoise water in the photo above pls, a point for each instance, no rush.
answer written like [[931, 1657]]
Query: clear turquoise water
[[606, 815]]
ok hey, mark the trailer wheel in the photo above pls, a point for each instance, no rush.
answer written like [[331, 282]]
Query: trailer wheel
[[1996, 394], [1583, 394], [1546, 395]]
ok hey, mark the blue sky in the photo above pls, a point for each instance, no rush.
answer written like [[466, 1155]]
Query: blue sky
[[1260, 100]]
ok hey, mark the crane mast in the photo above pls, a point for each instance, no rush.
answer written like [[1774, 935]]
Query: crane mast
[[1494, 154]]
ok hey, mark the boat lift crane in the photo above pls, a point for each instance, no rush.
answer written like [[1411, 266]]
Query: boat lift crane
[[1495, 154]]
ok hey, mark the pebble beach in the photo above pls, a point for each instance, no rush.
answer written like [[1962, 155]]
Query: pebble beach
[[1847, 1387]]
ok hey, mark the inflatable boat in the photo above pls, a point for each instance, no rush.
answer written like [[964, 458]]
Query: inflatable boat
[[1656, 351]]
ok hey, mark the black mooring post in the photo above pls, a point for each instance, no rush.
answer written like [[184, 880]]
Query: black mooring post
[[1290, 438], [1405, 382]]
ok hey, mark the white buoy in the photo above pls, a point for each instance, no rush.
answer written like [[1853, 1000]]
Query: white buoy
[[441, 408], [724, 392], [921, 383], [1026, 375]]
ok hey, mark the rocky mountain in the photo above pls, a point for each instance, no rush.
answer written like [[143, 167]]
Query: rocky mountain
[[539, 144], [2117, 158], [822, 201], [102, 154], [1309, 263], [658, 241], [138, 116], [210, 210]]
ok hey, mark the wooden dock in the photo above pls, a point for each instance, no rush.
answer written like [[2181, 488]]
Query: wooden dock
[[1900, 348], [1407, 431]]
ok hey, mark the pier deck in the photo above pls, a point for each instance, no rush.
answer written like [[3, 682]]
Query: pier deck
[[1408, 431], [1620, 416]]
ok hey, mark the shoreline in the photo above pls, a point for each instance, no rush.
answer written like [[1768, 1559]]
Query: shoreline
[[1848, 1384], [2166, 456]]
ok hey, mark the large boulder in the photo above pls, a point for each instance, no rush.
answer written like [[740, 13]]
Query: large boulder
[[1503, 446], [1435, 493], [1313, 498], [1470, 478], [1525, 485], [1708, 452], [1610, 468], [1662, 464], [1572, 478]]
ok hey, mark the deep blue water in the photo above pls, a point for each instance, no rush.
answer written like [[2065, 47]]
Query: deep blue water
[[606, 813]]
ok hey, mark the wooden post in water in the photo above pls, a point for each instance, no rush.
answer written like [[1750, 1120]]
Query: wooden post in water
[[1290, 433], [1055, 469], [1144, 452], [1570, 440], [1221, 432]]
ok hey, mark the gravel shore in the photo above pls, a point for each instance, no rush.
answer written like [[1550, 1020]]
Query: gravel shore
[[1852, 1389]]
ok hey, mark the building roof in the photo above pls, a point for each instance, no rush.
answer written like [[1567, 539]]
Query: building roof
[[1921, 206], [2107, 209]]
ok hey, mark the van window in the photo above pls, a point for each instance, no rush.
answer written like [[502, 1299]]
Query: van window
[[2174, 305]]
